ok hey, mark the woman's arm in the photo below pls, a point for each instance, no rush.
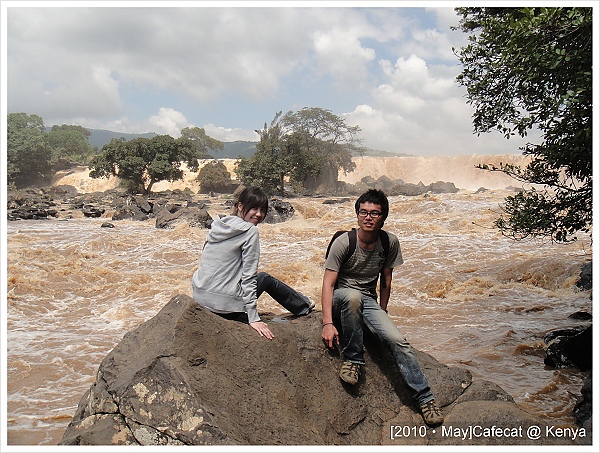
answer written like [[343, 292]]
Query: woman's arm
[[250, 257]]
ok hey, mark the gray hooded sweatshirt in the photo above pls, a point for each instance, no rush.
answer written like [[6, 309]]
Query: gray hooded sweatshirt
[[225, 280]]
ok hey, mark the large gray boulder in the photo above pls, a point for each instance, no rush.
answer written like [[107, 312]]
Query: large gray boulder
[[279, 211], [190, 377], [172, 214]]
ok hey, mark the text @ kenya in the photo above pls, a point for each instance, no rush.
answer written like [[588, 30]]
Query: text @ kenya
[[471, 432]]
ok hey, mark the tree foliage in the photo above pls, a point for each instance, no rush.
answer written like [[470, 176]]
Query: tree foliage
[[325, 136], [526, 68], [201, 143], [277, 156], [214, 177], [141, 162], [28, 156], [33, 153], [297, 147], [70, 142]]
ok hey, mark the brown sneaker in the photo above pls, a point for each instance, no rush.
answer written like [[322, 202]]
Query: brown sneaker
[[350, 372], [432, 414]]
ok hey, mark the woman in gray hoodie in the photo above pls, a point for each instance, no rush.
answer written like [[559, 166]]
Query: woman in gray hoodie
[[227, 281]]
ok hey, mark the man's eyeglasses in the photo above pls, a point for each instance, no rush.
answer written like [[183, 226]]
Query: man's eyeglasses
[[373, 214]]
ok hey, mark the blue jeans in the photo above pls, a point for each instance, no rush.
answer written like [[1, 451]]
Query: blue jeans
[[354, 310], [288, 298]]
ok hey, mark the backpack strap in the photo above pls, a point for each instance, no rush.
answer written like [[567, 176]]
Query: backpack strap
[[351, 240], [333, 238], [352, 234], [385, 242], [383, 237], [352, 247]]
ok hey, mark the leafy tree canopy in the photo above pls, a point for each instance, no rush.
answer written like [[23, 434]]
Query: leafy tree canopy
[[28, 156], [298, 146], [324, 136], [526, 68], [201, 142], [141, 162], [70, 142], [214, 177], [33, 153]]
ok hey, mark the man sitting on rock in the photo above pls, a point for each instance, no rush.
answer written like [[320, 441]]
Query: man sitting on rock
[[349, 296]]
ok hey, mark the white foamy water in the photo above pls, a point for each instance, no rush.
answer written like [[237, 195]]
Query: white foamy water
[[461, 170], [465, 294]]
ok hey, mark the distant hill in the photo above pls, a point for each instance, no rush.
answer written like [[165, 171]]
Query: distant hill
[[99, 137], [369, 152], [231, 150]]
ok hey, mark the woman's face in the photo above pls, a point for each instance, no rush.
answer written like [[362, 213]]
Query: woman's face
[[254, 215]]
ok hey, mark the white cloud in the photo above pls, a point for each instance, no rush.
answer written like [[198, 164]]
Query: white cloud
[[47, 78], [169, 121], [421, 112], [398, 100], [63, 91], [118, 68], [166, 121], [341, 54], [209, 52], [413, 75], [198, 52], [230, 135]]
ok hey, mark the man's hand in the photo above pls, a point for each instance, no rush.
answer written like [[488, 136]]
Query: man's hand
[[262, 329], [330, 335]]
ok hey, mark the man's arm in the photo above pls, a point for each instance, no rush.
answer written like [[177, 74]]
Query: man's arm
[[384, 291], [330, 334]]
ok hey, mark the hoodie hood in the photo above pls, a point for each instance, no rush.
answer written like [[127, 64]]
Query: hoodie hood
[[223, 228]]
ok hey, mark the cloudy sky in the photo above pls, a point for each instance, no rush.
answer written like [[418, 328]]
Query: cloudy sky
[[230, 66]]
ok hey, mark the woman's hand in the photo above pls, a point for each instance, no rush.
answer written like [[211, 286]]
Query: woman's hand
[[262, 329]]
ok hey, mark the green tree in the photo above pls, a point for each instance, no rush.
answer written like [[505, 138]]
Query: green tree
[[526, 68], [299, 147], [141, 162], [28, 156], [70, 142], [277, 157], [326, 141], [201, 142], [214, 177]]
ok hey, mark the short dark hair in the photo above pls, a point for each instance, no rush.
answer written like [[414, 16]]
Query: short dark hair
[[374, 196], [252, 198]]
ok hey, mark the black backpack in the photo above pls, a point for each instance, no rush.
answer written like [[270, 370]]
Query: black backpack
[[383, 237]]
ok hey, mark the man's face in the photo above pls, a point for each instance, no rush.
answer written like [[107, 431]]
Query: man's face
[[367, 216]]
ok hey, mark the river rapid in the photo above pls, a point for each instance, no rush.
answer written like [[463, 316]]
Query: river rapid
[[465, 294]]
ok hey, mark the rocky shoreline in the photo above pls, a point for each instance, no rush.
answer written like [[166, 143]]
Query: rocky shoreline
[[64, 201], [167, 208]]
